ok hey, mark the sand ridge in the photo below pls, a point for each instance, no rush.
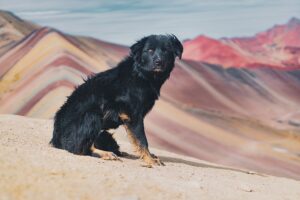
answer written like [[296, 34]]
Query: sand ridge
[[31, 169]]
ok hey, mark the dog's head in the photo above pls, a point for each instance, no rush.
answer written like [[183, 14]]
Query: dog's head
[[157, 53]]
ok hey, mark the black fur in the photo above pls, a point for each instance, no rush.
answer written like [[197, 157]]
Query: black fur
[[131, 88], [106, 142]]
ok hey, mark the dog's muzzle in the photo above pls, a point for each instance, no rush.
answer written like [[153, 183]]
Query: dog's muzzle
[[157, 66]]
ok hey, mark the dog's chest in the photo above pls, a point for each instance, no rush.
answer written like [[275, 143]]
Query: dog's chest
[[138, 101], [135, 103], [143, 99]]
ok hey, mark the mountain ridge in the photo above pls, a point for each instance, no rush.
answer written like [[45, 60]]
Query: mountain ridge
[[277, 47]]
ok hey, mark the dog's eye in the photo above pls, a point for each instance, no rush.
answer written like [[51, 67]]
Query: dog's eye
[[150, 51]]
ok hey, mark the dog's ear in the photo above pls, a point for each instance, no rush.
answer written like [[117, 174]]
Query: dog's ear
[[137, 49], [178, 48]]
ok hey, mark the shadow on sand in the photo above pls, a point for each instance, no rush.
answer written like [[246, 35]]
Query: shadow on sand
[[166, 159]]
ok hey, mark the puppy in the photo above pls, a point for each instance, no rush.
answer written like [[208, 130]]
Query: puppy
[[120, 96]]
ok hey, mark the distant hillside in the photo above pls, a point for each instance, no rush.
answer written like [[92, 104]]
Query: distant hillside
[[278, 47], [13, 29]]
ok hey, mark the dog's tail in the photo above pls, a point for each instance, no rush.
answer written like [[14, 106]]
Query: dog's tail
[[105, 141]]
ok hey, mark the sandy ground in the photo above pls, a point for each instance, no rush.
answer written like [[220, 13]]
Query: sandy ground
[[31, 169]]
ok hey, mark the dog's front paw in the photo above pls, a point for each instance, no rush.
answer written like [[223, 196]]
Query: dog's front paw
[[150, 160], [109, 156]]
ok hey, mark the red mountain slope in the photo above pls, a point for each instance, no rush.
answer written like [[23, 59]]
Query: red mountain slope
[[277, 47]]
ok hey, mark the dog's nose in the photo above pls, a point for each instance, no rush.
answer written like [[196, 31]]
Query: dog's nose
[[157, 62]]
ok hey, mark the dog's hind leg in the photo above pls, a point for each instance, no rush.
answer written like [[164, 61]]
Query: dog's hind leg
[[105, 155], [105, 141], [77, 137]]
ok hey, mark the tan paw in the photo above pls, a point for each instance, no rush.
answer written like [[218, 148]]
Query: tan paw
[[110, 156], [149, 161]]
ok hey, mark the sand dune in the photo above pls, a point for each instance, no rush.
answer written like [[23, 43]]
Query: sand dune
[[31, 169]]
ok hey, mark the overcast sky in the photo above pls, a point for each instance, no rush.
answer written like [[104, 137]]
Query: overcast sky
[[124, 21]]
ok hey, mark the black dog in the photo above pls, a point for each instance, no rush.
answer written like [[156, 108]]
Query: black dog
[[120, 96]]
